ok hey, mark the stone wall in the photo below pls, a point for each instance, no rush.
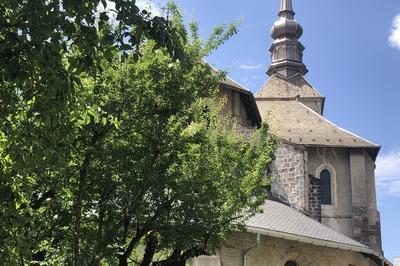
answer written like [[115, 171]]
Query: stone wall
[[366, 220], [314, 198], [289, 183], [361, 224], [337, 215], [243, 249], [235, 107], [353, 211]]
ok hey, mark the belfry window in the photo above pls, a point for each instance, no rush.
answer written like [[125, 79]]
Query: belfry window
[[326, 193], [291, 263]]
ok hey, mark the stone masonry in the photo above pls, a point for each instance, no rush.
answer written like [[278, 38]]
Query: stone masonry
[[243, 249], [366, 220], [289, 184], [314, 198]]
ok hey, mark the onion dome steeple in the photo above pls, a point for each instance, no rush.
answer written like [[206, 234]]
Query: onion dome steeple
[[286, 50]]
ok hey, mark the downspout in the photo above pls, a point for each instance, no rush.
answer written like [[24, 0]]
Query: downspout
[[244, 258]]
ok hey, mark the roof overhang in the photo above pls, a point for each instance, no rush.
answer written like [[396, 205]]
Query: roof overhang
[[373, 151], [249, 102], [374, 255]]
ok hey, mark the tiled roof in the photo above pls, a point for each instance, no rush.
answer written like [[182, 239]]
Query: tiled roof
[[297, 123], [277, 87], [284, 219], [281, 221], [230, 82]]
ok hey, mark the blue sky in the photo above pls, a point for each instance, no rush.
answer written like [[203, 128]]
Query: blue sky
[[352, 60]]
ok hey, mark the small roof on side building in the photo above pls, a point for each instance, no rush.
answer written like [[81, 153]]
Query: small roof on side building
[[281, 221], [246, 97]]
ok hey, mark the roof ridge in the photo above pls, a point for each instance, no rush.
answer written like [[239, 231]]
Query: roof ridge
[[234, 82], [237, 83], [311, 85]]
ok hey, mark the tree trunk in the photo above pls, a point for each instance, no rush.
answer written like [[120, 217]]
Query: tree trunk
[[151, 248], [83, 174], [78, 210], [178, 258], [123, 259]]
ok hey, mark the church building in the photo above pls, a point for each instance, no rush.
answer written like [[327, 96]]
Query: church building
[[322, 206]]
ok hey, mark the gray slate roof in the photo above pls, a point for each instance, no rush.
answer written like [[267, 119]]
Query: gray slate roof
[[230, 82], [281, 221], [281, 218], [297, 123], [277, 87]]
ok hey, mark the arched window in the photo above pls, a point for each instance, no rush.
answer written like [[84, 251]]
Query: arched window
[[292, 53], [326, 193], [291, 263], [275, 56]]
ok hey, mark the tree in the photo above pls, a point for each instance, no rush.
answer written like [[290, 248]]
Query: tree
[[112, 146]]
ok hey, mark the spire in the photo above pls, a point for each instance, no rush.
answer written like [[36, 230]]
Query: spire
[[286, 5], [286, 50], [286, 8]]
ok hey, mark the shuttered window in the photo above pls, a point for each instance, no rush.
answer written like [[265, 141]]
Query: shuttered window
[[326, 193]]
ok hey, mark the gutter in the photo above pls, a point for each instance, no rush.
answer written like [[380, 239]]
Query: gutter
[[318, 242]]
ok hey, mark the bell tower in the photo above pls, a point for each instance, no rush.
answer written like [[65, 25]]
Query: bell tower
[[286, 50]]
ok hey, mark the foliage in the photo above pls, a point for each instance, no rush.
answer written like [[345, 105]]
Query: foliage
[[112, 146]]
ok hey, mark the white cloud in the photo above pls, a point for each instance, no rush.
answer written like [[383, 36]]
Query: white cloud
[[394, 38], [388, 173], [250, 66]]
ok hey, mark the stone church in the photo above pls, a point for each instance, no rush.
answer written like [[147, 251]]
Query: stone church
[[322, 206]]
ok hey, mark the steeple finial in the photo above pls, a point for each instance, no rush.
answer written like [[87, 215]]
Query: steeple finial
[[286, 50], [286, 8]]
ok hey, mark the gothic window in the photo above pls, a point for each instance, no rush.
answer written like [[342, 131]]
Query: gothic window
[[275, 56], [326, 193], [297, 54], [292, 53], [281, 53], [291, 263]]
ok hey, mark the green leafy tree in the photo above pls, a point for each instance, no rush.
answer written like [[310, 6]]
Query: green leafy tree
[[113, 149]]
